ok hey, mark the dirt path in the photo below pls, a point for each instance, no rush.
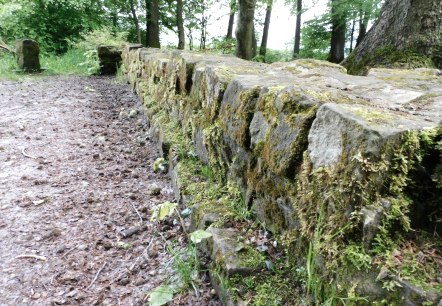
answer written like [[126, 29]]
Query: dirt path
[[73, 174]]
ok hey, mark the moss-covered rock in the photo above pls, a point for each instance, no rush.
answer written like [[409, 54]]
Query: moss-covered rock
[[345, 170]]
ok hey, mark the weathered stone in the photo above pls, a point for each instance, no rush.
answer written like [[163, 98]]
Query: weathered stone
[[341, 129], [110, 59], [371, 218], [310, 148], [226, 251], [258, 128], [414, 295], [27, 53]]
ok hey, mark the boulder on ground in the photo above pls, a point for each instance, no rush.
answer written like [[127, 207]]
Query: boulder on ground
[[110, 59], [27, 52]]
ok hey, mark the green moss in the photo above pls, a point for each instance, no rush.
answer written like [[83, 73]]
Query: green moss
[[341, 196], [213, 138], [372, 116], [389, 57], [250, 257], [312, 64]]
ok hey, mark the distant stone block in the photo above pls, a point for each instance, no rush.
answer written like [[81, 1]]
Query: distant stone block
[[110, 59], [27, 51]]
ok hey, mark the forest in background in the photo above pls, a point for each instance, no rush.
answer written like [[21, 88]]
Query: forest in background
[[59, 25]]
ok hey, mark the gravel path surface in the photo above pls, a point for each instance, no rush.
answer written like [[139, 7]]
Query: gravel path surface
[[75, 179]]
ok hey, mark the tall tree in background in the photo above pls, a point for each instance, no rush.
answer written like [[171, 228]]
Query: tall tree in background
[[265, 32], [405, 29], [133, 10], [245, 29], [366, 10], [180, 24], [338, 24], [297, 46], [152, 24], [203, 25], [231, 19]]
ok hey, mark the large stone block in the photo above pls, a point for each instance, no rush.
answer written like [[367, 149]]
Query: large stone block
[[27, 52], [110, 59]]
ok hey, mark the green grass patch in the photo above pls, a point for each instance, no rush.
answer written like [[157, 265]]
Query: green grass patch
[[73, 62], [7, 66]]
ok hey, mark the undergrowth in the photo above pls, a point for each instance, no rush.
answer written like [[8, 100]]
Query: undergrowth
[[70, 63]]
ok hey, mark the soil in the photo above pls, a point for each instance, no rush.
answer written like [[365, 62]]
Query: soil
[[76, 181]]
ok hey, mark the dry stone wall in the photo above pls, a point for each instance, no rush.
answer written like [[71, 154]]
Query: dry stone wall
[[338, 166]]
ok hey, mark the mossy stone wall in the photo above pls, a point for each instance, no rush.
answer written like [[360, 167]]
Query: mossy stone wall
[[323, 159]]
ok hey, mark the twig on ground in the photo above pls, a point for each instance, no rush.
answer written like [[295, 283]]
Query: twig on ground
[[182, 222], [96, 276], [27, 155], [136, 210], [42, 258], [66, 254]]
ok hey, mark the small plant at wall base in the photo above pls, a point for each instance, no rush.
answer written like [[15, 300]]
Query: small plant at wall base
[[185, 260]]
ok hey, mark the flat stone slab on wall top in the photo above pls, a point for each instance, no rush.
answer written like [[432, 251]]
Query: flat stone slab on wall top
[[363, 127]]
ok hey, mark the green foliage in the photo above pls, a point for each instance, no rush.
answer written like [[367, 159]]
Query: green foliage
[[273, 56], [389, 57], [315, 38], [53, 23], [102, 36], [70, 63], [160, 165], [91, 62], [7, 66], [161, 295], [223, 45], [199, 235], [356, 255], [162, 211]]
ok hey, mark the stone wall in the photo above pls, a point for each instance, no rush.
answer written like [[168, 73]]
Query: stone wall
[[344, 170]]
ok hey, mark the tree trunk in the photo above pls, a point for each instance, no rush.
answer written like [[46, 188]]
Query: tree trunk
[[254, 43], [152, 24], [180, 24], [337, 44], [190, 38], [364, 18], [265, 32], [135, 20], [245, 29], [352, 34], [296, 49], [231, 20], [407, 32], [362, 33]]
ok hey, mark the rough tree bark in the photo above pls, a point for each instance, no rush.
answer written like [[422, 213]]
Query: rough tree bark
[[244, 30], [337, 44], [152, 24], [406, 31], [265, 32], [297, 46], [135, 20], [231, 19], [180, 24]]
